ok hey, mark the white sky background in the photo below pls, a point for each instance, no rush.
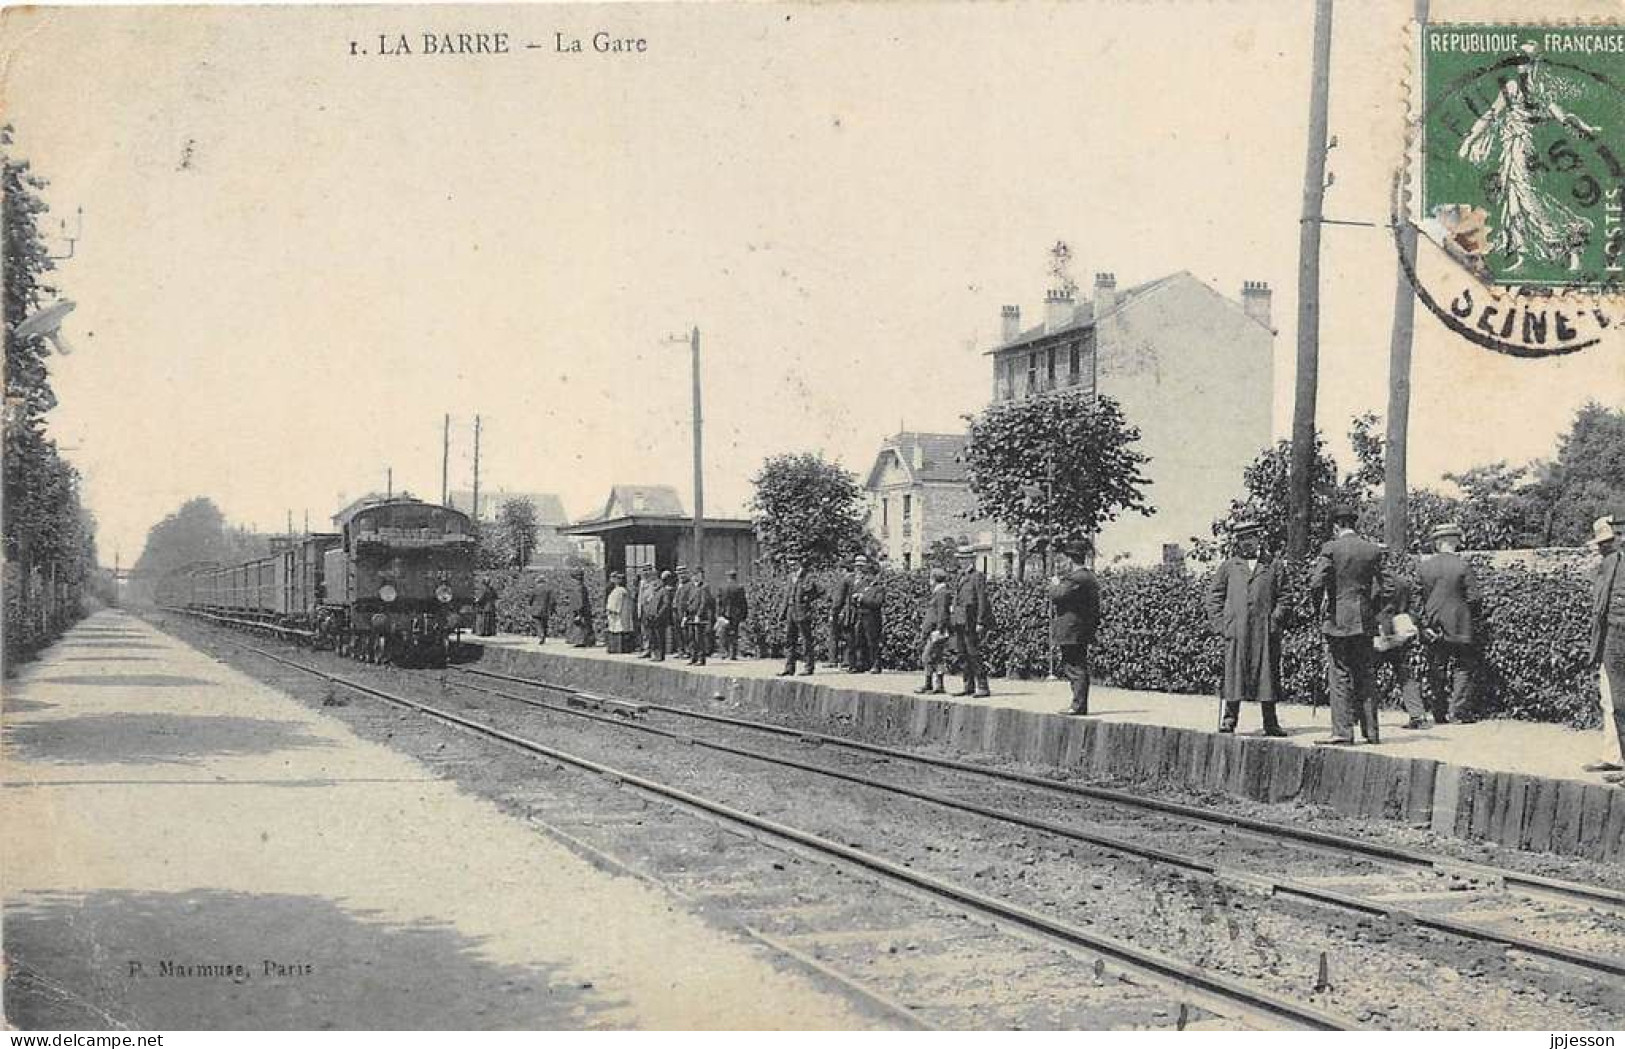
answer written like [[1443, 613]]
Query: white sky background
[[840, 196]]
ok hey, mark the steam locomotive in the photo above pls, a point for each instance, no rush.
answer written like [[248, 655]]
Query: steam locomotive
[[394, 585]]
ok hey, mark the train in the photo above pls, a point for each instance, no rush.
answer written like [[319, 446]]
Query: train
[[394, 585]]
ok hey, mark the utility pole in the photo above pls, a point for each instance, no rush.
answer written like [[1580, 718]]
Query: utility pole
[[1395, 486], [445, 460], [1308, 364], [475, 515], [307, 520], [389, 482], [699, 475], [290, 522]]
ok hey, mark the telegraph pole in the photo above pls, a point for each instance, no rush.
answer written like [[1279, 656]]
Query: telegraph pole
[[1395, 487], [389, 482], [1308, 362], [699, 475], [476, 500], [445, 460]]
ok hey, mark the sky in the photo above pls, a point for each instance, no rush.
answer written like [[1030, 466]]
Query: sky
[[295, 260]]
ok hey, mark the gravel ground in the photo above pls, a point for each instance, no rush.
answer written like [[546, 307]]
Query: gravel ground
[[1276, 942]]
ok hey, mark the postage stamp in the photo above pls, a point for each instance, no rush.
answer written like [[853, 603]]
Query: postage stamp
[[1518, 178]]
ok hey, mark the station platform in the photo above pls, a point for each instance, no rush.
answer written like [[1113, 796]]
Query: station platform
[[188, 849], [1511, 782]]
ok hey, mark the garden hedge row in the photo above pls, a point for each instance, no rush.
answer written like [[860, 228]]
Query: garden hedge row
[[1154, 632]]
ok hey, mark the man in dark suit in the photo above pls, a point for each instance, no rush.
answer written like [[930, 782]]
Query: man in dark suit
[[682, 641], [732, 606], [665, 601], [1351, 584], [485, 622], [1608, 645], [541, 609], [648, 594], [972, 615], [800, 594], [841, 617], [868, 598], [702, 617], [1246, 607], [581, 614], [1450, 599], [1075, 594]]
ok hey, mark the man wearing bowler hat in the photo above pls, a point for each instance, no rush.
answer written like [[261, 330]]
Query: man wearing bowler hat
[[1246, 606], [796, 611], [1351, 584], [1450, 600]]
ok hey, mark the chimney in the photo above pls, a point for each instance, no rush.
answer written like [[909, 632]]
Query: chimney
[[1009, 323], [1105, 293], [1057, 309], [1255, 300]]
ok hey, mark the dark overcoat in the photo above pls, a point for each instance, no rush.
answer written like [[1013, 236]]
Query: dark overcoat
[[971, 606], [800, 593], [840, 612], [1076, 597], [702, 605], [1449, 592], [541, 603], [731, 602], [1246, 606]]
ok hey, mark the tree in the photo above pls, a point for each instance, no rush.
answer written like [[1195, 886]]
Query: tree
[[943, 553], [1054, 469], [1587, 479], [807, 507], [195, 532], [516, 521]]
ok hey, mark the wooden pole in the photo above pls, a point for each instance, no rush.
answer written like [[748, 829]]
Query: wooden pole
[[475, 514], [1395, 486], [445, 460], [699, 473], [1308, 361]]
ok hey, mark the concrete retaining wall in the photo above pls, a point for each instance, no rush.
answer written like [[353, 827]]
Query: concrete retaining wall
[[1524, 812]]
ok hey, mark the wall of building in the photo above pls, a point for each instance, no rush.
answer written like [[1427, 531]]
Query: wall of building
[[1196, 375]]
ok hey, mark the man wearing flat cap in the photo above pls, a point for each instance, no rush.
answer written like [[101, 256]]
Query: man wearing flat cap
[[1450, 601], [1351, 584], [841, 615], [1246, 606], [1608, 646]]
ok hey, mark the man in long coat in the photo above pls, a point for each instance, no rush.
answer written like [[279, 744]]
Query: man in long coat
[[1246, 607], [1075, 593], [841, 616], [663, 604], [581, 613], [485, 620], [648, 593], [868, 598], [683, 642], [1450, 597], [800, 594], [541, 609], [1608, 645], [972, 615], [1352, 584]]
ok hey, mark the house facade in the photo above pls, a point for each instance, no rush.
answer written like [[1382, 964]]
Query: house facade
[[918, 495], [1194, 370]]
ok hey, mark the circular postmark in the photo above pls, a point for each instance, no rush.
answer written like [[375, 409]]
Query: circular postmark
[[1513, 236]]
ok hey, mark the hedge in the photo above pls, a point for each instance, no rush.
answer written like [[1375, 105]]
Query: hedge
[[1154, 632]]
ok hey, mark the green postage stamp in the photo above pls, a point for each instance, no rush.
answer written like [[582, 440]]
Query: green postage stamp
[[1518, 175]]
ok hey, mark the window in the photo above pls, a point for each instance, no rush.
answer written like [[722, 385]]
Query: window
[[1072, 364], [908, 560], [885, 515], [1050, 368], [1009, 378], [1009, 564], [639, 556], [908, 508], [1032, 371]]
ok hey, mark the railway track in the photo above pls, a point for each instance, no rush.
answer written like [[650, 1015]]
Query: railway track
[[1466, 885], [1213, 991]]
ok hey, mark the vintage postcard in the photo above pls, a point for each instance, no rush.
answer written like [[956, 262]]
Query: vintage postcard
[[1095, 515]]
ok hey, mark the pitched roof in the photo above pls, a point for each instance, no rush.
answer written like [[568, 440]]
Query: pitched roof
[[923, 456], [651, 500], [1083, 314]]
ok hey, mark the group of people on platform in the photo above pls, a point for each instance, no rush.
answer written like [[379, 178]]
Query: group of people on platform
[[1368, 617]]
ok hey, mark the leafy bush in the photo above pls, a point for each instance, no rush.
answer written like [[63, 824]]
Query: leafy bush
[[1154, 632]]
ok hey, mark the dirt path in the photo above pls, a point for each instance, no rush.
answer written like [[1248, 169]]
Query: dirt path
[[188, 849]]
